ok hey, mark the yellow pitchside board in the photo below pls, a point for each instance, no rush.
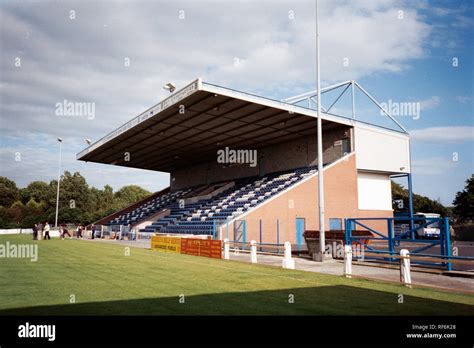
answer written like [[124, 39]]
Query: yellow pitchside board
[[167, 244]]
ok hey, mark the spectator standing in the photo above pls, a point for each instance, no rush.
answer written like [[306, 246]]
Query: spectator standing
[[35, 232], [47, 228], [40, 231], [64, 231], [79, 231]]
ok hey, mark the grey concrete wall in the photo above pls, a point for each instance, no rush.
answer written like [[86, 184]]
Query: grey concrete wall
[[285, 156]]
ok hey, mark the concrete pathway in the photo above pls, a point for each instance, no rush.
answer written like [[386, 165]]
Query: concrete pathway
[[368, 271]]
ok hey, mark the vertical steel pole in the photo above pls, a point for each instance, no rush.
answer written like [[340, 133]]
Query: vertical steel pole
[[260, 234], [59, 180], [353, 99], [278, 235], [410, 203], [298, 237], [391, 247], [244, 234], [345, 230], [348, 234], [322, 241], [448, 243]]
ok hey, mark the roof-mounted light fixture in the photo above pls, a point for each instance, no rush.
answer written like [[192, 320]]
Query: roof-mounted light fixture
[[170, 86]]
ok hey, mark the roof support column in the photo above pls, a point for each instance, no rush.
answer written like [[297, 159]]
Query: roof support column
[[322, 240]]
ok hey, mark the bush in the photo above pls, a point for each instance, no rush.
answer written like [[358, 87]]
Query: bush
[[464, 232]]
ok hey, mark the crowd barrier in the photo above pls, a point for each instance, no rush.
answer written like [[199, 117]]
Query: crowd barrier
[[405, 260]]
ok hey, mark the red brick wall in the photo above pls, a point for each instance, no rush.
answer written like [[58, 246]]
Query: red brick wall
[[340, 202]]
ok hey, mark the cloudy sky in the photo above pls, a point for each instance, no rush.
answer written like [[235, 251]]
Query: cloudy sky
[[118, 55]]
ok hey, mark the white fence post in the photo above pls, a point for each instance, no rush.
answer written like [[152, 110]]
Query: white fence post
[[405, 276], [253, 251], [226, 249], [16, 231], [288, 262], [348, 261]]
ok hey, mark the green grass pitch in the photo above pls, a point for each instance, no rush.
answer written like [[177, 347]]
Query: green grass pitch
[[104, 281]]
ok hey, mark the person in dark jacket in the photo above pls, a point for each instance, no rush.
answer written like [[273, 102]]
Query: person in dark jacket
[[64, 231], [35, 232], [79, 231]]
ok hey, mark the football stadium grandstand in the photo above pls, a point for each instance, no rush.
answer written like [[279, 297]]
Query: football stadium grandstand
[[183, 134]]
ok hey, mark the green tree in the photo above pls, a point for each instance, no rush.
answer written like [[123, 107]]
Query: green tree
[[107, 197], [37, 190], [71, 215], [102, 200], [9, 192], [130, 194], [78, 203], [464, 202], [32, 213], [16, 212], [74, 191], [32, 204], [420, 203]]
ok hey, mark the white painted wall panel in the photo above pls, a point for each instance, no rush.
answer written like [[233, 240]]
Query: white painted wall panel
[[374, 191], [381, 150]]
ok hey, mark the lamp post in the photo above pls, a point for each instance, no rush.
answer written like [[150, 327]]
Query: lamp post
[[59, 180], [322, 241]]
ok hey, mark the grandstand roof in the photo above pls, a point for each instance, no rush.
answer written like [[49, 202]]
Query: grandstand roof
[[164, 139]]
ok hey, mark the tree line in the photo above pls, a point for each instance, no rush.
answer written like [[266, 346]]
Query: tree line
[[78, 202], [462, 209]]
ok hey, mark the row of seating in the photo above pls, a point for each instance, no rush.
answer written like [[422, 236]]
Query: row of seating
[[148, 208], [204, 216]]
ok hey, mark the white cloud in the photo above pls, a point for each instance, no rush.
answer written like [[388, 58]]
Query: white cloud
[[26, 163], [442, 11], [82, 60], [449, 134], [464, 99], [430, 103], [432, 166]]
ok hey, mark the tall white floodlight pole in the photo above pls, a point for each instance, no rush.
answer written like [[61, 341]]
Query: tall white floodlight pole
[[59, 180], [322, 242]]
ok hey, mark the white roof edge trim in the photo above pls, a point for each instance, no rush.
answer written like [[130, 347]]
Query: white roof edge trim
[[291, 108], [157, 108], [270, 103], [199, 85], [382, 130]]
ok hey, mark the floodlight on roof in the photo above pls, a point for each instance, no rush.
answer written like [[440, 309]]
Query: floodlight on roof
[[170, 86]]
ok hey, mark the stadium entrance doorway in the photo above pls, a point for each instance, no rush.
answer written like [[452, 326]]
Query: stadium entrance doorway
[[240, 232], [300, 228]]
